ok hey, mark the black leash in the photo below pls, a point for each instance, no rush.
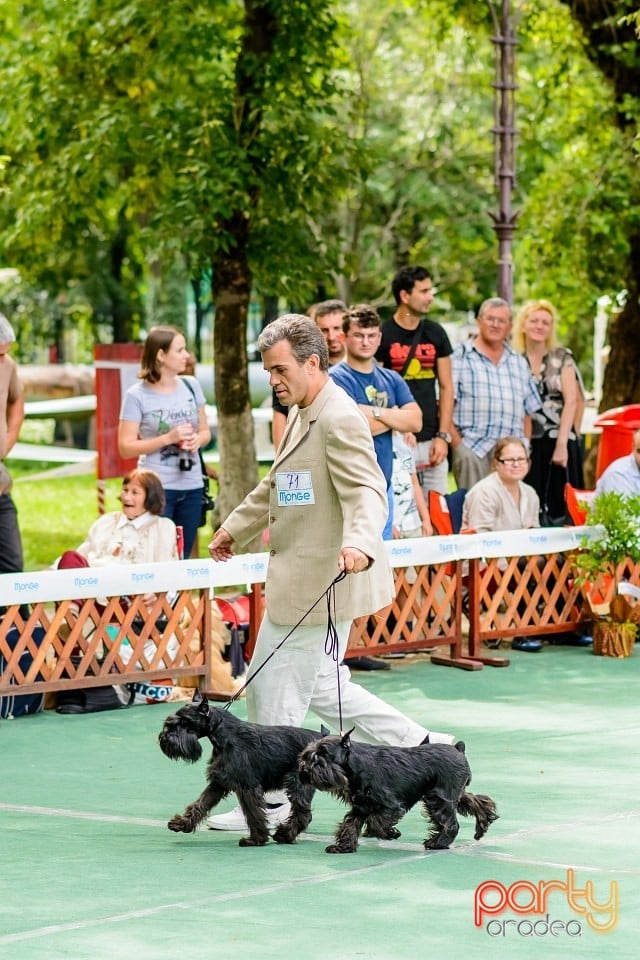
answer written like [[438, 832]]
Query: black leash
[[331, 640]]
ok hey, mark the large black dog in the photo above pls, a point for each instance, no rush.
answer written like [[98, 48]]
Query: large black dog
[[382, 783], [248, 759]]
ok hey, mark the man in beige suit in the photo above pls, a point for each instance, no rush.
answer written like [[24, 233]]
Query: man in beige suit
[[324, 503]]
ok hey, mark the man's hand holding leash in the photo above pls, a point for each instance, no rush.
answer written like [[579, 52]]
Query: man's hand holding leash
[[352, 560]]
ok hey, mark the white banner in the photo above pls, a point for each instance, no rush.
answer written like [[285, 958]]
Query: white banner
[[245, 569]]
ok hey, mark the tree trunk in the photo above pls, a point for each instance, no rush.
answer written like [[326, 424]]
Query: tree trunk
[[231, 288], [612, 45], [231, 274], [622, 373]]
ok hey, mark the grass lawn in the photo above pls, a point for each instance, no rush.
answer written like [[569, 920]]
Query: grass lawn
[[54, 513]]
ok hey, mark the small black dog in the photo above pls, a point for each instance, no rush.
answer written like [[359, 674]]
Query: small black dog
[[381, 783], [248, 759]]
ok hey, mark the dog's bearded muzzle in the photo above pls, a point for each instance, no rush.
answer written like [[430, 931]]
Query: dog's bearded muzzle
[[178, 742], [319, 772]]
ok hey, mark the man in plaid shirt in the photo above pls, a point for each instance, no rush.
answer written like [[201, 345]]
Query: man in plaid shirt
[[494, 394]]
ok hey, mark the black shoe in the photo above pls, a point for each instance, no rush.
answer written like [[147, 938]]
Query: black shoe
[[571, 640], [366, 663], [526, 644]]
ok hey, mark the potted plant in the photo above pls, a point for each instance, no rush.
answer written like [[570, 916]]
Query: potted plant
[[615, 543]]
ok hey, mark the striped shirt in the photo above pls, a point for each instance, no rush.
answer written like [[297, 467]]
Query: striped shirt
[[491, 399]]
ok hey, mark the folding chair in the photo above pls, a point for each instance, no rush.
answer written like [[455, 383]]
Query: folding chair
[[578, 502], [445, 510]]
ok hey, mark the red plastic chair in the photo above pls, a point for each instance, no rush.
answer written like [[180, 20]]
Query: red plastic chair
[[577, 502], [445, 510]]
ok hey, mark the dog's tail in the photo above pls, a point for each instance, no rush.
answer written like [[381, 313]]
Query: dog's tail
[[481, 807]]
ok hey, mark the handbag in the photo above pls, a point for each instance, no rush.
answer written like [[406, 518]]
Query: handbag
[[546, 517], [208, 503], [19, 705]]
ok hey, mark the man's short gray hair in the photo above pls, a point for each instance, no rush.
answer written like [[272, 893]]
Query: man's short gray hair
[[303, 335], [492, 302], [7, 334]]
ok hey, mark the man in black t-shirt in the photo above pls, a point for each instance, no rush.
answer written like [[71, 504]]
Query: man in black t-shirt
[[426, 347]]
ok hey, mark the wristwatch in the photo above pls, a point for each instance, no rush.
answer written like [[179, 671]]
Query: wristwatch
[[376, 413], [444, 436]]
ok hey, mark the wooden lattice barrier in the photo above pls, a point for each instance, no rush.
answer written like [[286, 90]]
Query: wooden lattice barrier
[[438, 579], [103, 646], [537, 596], [425, 615]]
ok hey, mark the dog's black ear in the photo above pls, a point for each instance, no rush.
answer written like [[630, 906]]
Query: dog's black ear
[[346, 738], [324, 731], [203, 706]]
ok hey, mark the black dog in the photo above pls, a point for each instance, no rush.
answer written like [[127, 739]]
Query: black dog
[[382, 783], [248, 759]]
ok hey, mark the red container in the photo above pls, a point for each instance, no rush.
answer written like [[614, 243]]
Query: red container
[[618, 426]]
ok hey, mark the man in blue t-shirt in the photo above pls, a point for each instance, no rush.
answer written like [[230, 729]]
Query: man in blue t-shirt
[[381, 394]]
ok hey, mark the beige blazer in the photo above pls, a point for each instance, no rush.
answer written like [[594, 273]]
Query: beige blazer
[[324, 491]]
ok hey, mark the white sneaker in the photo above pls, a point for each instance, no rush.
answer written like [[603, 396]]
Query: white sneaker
[[435, 737], [235, 820]]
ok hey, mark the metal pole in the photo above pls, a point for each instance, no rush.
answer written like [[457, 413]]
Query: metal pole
[[504, 131]]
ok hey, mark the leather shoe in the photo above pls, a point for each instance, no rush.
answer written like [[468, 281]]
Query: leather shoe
[[526, 644], [366, 663], [571, 640]]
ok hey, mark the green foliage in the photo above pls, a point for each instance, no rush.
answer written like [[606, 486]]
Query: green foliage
[[619, 518], [581, 200]]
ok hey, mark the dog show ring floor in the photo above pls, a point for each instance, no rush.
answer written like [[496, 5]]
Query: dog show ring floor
[[91, 872]]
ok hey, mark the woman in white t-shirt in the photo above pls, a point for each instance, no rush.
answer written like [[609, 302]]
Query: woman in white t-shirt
[[163, 424]]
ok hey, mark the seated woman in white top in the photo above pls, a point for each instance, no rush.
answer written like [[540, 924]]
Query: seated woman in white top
[[135, 534], [502, 501]]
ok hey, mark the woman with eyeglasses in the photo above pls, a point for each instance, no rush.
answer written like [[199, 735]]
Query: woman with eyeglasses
[[502, 501], [556, 456]]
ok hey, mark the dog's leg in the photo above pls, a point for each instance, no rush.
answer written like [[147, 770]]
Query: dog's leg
[[482, 808], [252, 803], [442, 813], [347, 834], [382, 825], [196, 812], [300, 796]]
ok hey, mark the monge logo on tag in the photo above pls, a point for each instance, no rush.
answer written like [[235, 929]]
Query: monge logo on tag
[[534, 902]]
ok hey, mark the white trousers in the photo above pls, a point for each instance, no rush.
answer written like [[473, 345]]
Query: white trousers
[[301, 677]]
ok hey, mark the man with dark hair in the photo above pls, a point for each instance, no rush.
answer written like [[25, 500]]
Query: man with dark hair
[[329, 315], [419, 350], [325, 504]]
